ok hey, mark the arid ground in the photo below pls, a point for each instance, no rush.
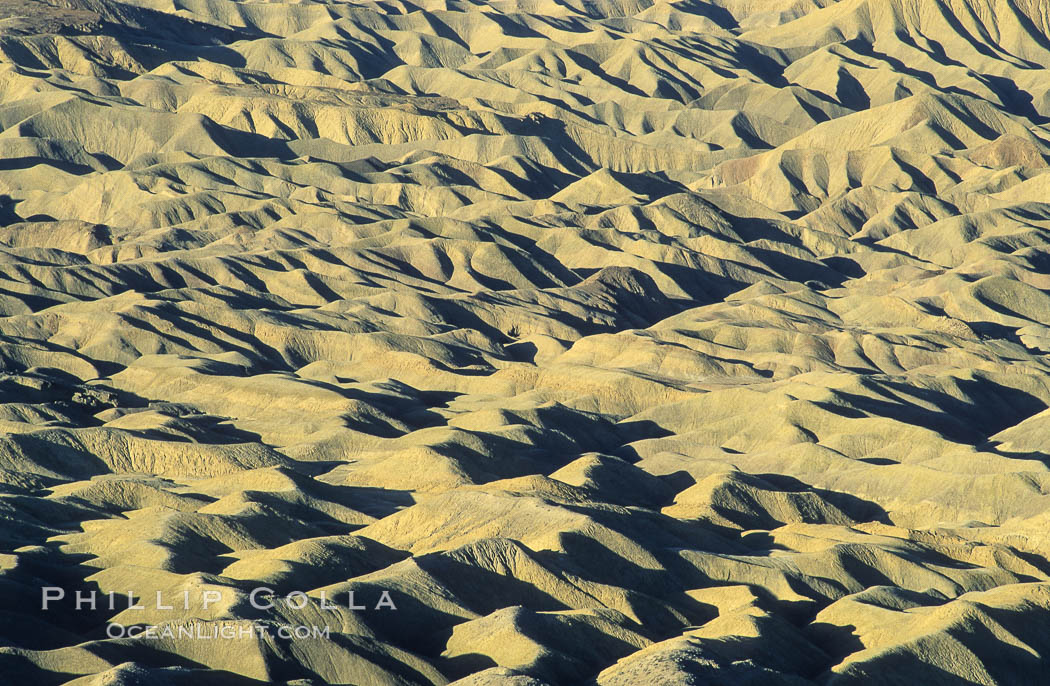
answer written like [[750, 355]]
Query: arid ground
[[608, 342]]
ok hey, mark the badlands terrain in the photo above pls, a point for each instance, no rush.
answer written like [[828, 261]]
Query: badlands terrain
[[616, 342]]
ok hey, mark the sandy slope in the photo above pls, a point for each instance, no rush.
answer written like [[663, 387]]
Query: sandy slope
[[620, 341]]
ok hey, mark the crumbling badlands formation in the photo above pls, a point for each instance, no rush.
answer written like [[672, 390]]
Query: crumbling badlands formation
[[613, 342]]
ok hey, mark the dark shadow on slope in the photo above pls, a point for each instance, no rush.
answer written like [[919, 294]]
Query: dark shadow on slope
[[1005, 662], [20, 594], [795, 269], [858, 508], [718, 15], [989, 408], [539, 182], [595, 69], [845, 266], [1015, 100], [12, 163], [239, 143], [568, 152], [7, 211], [640, 430], [850, 92]]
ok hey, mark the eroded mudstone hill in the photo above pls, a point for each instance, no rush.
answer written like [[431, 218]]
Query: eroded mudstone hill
[[619, 342]]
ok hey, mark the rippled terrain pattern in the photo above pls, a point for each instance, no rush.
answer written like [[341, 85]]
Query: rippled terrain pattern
[[618, 342]]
